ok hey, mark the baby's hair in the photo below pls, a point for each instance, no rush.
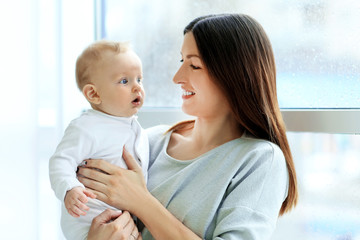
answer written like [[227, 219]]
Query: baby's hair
[[92, 55]]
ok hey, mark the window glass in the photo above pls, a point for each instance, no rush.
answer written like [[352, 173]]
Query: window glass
[[328, 174], [314, 41]]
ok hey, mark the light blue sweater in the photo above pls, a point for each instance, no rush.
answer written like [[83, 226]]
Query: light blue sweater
[[234, 191]]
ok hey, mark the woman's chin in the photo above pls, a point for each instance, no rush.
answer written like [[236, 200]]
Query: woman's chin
[[189, 111]]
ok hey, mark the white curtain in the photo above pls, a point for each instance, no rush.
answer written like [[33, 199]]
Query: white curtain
[[39, 43]]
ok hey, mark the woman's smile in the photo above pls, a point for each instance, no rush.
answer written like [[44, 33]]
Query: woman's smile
[[187, 94]]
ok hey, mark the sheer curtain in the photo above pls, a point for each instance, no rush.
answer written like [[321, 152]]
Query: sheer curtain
[[40, 41]]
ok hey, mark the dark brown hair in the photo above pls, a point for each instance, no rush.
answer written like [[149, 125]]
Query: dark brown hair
[[240, 60]]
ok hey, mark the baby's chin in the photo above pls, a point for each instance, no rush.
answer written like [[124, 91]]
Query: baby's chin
[[121, 112], [129, 113]]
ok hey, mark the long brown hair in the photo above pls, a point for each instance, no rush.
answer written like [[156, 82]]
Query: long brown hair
[[240, 61]]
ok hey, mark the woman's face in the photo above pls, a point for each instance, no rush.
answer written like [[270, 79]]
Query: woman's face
[[201, 97]]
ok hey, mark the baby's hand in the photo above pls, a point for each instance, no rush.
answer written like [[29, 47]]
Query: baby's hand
[[75, 200]]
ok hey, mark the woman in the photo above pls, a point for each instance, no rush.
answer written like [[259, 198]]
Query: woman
[[229, 173]]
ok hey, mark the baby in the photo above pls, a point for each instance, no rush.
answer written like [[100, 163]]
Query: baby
[[109, 74]]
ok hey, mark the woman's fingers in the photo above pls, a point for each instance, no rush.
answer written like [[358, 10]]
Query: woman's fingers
[[94, 174], [102, 165], [126, 223], [91, 183], [120, 228], [135, 233], [109, 225], [140, 237], [106, 216], [94, 186], [108, 167], [130, 161], [117, 187], [100, 196]]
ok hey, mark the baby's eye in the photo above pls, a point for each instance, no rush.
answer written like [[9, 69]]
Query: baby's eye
[[139, 80], [123, 81]]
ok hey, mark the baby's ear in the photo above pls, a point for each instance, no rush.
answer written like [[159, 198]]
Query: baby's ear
[[91, 94]]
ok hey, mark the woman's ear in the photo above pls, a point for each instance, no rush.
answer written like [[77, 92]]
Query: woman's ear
[[91, 94]]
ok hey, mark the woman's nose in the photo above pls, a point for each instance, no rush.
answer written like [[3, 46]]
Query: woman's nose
[[179, 76]]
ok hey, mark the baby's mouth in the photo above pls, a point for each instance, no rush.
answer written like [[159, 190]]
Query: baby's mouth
[[137, 99]]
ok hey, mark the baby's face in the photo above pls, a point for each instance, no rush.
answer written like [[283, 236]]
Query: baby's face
[[118, 80]]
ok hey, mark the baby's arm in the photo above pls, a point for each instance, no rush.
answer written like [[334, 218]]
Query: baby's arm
[[76, 199], [75, 146]]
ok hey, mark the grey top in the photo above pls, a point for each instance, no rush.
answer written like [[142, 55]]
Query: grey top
[[234, 191]]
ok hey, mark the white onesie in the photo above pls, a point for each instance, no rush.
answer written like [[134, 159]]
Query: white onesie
[[93, 135]]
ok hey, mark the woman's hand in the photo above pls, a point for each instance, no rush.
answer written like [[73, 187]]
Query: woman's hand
[[118, 187], [126, 190], [111, 225]]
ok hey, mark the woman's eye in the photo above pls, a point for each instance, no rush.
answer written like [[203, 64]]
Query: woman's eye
[[182, 60], [123, 81], [194, 67]]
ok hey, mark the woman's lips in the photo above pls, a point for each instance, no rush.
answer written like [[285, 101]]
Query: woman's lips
[[187, 94]]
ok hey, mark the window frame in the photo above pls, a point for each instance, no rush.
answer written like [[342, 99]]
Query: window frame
[[334, 121]]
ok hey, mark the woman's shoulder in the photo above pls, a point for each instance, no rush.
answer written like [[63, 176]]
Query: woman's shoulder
[[254, 153], [261, 145]]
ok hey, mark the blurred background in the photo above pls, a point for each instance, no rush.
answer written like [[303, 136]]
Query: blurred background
[[316, 46]]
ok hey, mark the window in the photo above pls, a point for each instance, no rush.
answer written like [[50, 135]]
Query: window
[[318, 79], [317, 63]]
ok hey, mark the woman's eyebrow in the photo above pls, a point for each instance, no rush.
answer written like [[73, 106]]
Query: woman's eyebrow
[[192, 55]]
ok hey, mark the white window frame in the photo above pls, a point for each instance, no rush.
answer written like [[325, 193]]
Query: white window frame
[[335, 121]]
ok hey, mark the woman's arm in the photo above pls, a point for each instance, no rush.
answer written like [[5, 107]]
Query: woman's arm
[[126, 190]]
